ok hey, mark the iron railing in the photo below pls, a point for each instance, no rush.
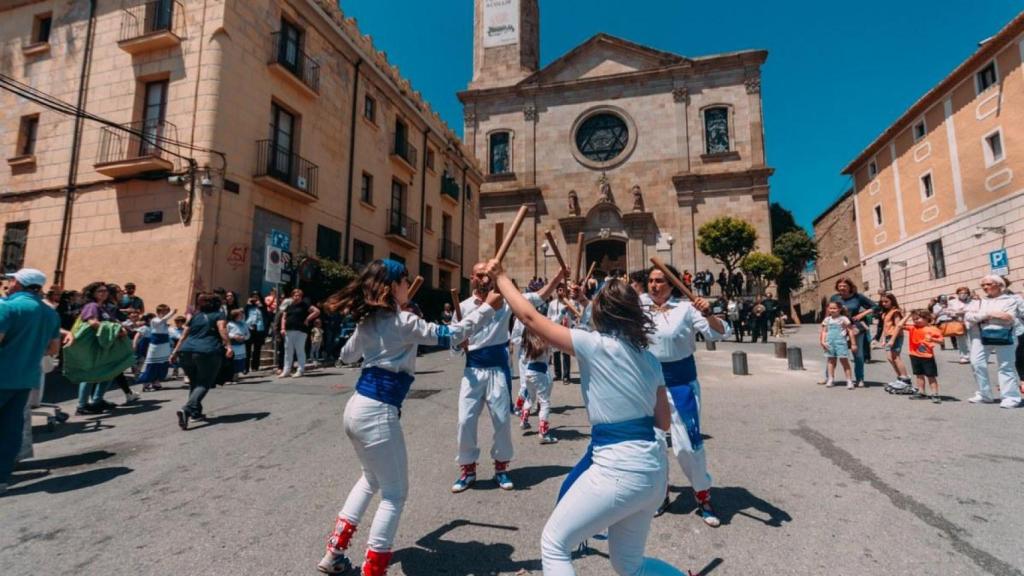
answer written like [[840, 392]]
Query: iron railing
[[403, 149], [151, 17], [142, 139], [450, 251], [449, 186], [401, 225], [282, 164], [291, 57]]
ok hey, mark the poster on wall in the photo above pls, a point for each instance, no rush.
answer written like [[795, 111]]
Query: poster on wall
[[501, 22]]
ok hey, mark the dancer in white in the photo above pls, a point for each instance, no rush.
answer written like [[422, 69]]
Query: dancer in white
[[487, 380], [534, 374], [677, 322], [386, 338], [624, 474]]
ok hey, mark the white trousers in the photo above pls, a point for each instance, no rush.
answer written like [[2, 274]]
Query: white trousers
[[621, 502], [377, 437], [538, 386], [524, 390], [1009, 383], [693, 462], [963, 345], [484, 386], [294, 349]]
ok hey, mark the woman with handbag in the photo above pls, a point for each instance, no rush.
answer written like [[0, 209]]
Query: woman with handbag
[[955, 327], [991, 326]]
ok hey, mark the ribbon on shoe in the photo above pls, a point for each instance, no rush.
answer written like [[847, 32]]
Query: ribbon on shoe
[[606, 435], [384, 385], [495, 356], [680, 376]]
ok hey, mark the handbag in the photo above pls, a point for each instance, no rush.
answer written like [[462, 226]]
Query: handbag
[[996, 335], [953, 328]]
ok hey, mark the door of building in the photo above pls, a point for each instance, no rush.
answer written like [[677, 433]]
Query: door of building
[[609, 254], [264, 224]]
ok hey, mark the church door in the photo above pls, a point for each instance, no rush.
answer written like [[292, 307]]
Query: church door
[[609, 254]]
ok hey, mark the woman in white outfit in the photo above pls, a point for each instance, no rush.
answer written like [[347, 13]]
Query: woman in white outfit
[[991, 325], [676, 323], [386, 338], [618, 484]]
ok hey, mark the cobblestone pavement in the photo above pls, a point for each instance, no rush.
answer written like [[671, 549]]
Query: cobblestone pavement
[[808, 481]]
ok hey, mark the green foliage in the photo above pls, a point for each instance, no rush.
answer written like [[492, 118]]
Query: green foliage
[[329, 276], [763, 268], [782, 221], [727, 240], [796, 249]]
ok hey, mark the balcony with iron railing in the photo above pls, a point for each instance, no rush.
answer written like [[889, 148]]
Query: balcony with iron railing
[[403, 151], [289, 62], [402, 229], [282, 170], [449, 188], [136, 148], [449, 252], [152, 26]]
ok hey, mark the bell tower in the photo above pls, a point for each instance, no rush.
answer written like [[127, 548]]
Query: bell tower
[[506, 42]]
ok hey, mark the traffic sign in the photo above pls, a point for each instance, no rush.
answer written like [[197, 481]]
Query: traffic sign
[[999, 261]]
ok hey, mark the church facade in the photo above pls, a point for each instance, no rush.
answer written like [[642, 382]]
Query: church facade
[[633, 147]]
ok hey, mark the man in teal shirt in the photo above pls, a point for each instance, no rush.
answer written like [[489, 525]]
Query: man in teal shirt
[[28, 330]]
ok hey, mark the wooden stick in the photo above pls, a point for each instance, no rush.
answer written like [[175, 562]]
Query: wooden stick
[[415, 287], [589, 274], [672, 278], [554, 248], [579, 258], [512, 231], [457, 309], [570, 307]]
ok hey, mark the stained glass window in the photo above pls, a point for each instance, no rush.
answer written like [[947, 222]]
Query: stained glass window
[[716, 130], [602, 137], [500, 153]]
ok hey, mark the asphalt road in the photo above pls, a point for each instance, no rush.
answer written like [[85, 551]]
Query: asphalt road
[[808, 481]]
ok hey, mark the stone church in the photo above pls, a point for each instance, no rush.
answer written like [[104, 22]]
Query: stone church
[[634, 147]]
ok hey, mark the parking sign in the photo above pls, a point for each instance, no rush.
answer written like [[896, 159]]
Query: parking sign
[[999, 262]]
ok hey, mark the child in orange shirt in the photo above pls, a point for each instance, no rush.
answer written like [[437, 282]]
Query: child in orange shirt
[[923, 338]]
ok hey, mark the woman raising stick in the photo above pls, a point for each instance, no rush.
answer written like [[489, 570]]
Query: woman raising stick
[[624, 475], [386, 338]]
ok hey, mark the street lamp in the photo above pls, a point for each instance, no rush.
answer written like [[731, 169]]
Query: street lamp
[[671, 255], [547, 252]]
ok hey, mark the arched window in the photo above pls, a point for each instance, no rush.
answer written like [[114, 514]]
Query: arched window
[[716, 130], [500, 153]]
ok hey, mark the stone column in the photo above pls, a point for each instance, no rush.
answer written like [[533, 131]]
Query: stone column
[[753, 86], [681, 97], [530, 116]]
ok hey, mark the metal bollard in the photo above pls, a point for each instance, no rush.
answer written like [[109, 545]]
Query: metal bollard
[[710, 345], [796, 358], [739, 363], [780, 350]]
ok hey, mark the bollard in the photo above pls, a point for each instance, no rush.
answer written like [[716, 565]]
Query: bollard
[[780, 350], [710, 345], [739, 363], [796, 359]]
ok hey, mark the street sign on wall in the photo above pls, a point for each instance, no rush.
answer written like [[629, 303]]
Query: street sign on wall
[[999, 262], [273, 265]]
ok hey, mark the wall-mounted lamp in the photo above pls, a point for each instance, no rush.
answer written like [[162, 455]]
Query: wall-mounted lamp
[[981, 230]]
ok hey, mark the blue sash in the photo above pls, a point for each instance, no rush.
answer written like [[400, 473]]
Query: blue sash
[[495, 356], [541, 367], [606, 435], [680, 376], [159, 338], [384, 385]]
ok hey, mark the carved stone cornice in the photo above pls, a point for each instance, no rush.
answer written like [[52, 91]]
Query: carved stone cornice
[[753, 85], [530, 113], [571, 227], [681, 94], [511, 200], [469, 116], [638, 224], [753, 182]]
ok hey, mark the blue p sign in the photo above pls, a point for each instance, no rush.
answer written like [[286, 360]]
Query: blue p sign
[[999, 261]]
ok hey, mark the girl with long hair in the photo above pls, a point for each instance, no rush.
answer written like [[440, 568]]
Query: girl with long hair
[[537, 383], [622, 478], [892, 337], [386, 338]]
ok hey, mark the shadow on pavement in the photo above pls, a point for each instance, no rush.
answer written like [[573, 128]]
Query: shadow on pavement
[[59, 484], [526, 477], [229, 419], [564, 409], [41, 435], [140, 407], [437, 556], [730, 502], [69, 461], [567, 434]]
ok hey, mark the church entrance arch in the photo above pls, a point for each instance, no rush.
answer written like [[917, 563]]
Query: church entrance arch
[[607, 254]]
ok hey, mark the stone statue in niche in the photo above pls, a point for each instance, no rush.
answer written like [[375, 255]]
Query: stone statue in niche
[[606, 189], [574, 203], [638, 199]]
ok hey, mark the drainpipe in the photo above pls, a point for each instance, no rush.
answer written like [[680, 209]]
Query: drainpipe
[[351, 160], [423, 201], [76, 144]]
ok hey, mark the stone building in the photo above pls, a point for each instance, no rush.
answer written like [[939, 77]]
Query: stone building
[[320, 147], [835, 234], [937, 194], [632, 146]]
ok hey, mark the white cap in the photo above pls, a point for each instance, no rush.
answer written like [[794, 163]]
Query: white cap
[[28, 277]]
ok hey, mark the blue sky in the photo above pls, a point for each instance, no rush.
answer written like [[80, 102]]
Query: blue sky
[[838, 73]]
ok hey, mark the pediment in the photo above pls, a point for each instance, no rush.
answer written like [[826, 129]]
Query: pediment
[[603, 55]]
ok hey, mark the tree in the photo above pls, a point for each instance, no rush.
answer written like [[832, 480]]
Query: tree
[[763, 268], [795, 248], [727, 240], [782, 221]]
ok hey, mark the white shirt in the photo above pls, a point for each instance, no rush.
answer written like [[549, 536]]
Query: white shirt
[[978, 311], [492, 332], [239, 330], [389, 340], [619, 383], [157, 353], [676, 327]]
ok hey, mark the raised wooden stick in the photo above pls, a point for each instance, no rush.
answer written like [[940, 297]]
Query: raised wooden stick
[[415, 287], [554, 248], [589, 274], [565, 302], [457, 310], [512, 231], [579, 258], [672, 278]]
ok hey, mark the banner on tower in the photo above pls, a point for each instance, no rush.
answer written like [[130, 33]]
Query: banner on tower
[[501, 22]]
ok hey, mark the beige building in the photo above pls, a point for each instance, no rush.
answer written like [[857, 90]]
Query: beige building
[[940, 190], [838, 257], [634, 147], [243, 123]]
